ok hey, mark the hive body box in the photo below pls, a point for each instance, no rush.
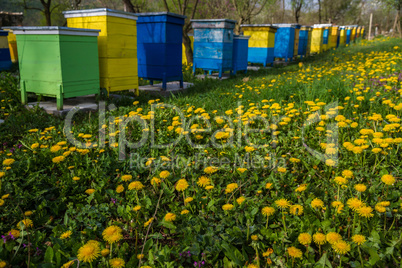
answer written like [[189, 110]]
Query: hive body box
[[213, 45], [316, 39], [348, 34], [353, 34], [333, 36], [240, 53], [59, 62], [12, 45], [160, 47], [284, 41], [117, 45], [262, 42], [342, 36], [304, 41], [184, 49], [5, 59], [325, 38], [297, 36]]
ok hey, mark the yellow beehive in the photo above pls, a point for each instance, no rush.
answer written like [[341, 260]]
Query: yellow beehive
[[333, 36], [316, 39], [117, 45], [310, 31], [342, 36], [184, 49], [353, 34], [12, 45], [263, 36], [297, 37]]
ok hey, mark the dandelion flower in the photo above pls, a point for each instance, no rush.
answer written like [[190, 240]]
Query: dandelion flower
[[126, 177], [354, 203], [301, 188], [319, 238], [231, 187], [181, 185], [136, 208], [317, 203], [119, 188], [268, 252], [88, 252], [333, 237], [203, 181], [90, 191], [388, 179], [268, 185], [170, 217], [117, 263], [66, 234], [267, 211], [340, 180], [164, 174], [227, 207], [296, 209], [304, 239], [341, 247], [188, 200], [112, 234], [184, 212], [240, 200], [295, 252], [210, 170], [8, 162], [105, 252], [282, 203], [380, 208], [365, 211], [359, 239], [347, 173], [135, 185], [360, 187], [155, 181], [26, 223]]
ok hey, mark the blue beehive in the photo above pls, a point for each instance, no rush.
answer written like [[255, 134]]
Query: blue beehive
[[303, 40], [5, 58], [325, 38], [213, 45], [284, 41], [348, 33], [159, 44], [240, 53]]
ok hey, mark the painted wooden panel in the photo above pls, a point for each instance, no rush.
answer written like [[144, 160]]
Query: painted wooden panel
[[260, 37], [57, 61], [325, 39], [184, 57], [12, 45], [316, 40], [263, 55], [296, 45], [284, 42], [117, 45], [5, 58], [303, 41], [213, 45], [333, 37], [342, 36], [160, 48], [348, 34], [240, 53]]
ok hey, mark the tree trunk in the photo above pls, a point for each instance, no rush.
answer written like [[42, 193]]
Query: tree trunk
[[319, 11], [48, 16], [187, 47], [128, 6], [283, 13]]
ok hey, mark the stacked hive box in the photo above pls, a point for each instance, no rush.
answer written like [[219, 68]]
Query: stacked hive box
[[5, 58], [59, 62], [284, 41], [213, 45], [262, 42], [316, 39], [240, 53], [333, 36], [160, 47], [297, 36], [117, 44], [304, 41]]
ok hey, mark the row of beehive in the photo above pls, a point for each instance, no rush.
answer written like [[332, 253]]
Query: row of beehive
[[75, 61]]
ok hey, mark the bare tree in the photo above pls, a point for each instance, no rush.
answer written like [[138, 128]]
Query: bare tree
[[246, 10], [46, 9], [186, 8], [136, 7], [297, 6]]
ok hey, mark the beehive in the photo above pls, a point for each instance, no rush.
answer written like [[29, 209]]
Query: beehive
[[297, 36], [333, 36], [348, 34], [59, 62], [316, 39], [184, 49], [284, 41], [342, 36], [213, 45], [325, 38], [117, 44], [304, 41], [240, 53], [160, 48], [5, 59], [262, 42], [12, 45]]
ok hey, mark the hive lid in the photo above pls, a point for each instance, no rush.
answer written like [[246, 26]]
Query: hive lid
[[213, 23], [285, 25], [55, 30], [99, 12], [306, 26], [259, 25], [246, 37], [161, 14]]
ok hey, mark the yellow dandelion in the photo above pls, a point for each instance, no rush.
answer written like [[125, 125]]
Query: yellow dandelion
[[295, 252], [210, 170], [388, 179], [117, 263], [365, 211], [340, 180], [181, 185], [240, 200], [354, 203], [90, 191], [136, 208], [282, 203], [333, 237], [296, 209], [267, 211], [105, 252], [319, 238], [66, 234], [227, 207], [301, 188], [88, 252], [112, 234], [231, 187], [304, 239], [268, 185], [184, 212], [135, 185], [341, 247], [26, 223], [8, 162], [203, 181], [164, 174], [119, 188], [126, 177], [317, 203], [359, 239], [170, 217], [360, 187]]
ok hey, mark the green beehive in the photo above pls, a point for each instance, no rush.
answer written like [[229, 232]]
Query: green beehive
[[58, 62]]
